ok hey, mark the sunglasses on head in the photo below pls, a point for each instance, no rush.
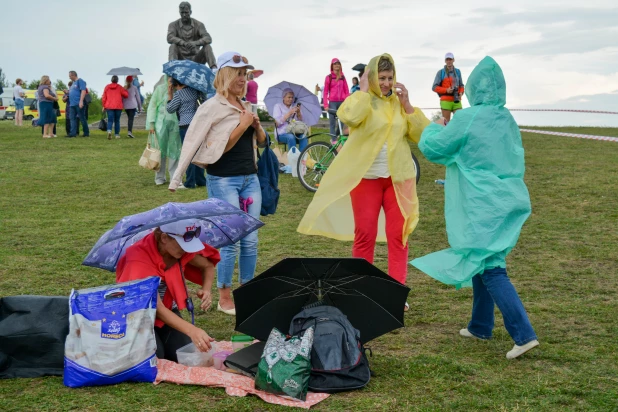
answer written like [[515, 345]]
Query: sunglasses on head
[[236, 59], [190, 235]]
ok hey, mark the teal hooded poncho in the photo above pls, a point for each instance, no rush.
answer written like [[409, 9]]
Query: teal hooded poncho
[[486, 200]]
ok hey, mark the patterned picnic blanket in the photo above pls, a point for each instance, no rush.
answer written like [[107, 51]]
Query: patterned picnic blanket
[[234, 384]]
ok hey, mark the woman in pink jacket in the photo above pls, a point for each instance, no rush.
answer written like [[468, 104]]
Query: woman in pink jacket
[[335, 92]]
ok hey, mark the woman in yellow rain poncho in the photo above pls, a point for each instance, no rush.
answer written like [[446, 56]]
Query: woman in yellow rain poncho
[[373, 171], [486, 205], [164, 126]]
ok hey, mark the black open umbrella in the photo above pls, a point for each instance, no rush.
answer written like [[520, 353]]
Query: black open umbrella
[[372, 301]]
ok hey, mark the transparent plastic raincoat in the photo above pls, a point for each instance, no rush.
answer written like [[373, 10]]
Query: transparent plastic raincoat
[[486, 200], [165, 124], [373, 119]]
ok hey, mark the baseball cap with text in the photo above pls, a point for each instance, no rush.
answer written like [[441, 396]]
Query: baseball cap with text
[[187, 234]]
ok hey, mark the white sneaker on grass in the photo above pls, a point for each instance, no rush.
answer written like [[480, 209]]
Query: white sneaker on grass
[[466, 334], [520, 350], [117, 136], [180, 186]]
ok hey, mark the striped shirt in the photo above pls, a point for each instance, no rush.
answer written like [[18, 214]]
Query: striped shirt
[[184, 104]]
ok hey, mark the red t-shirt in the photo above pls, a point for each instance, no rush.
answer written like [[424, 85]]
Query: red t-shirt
[[143, 260]]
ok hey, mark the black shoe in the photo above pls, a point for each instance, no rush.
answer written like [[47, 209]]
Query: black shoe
[[69, 136]]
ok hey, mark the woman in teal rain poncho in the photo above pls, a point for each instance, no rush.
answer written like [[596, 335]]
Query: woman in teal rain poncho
[[486, 205], [164, 126]]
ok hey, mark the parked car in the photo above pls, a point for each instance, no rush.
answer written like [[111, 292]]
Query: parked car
[[31, 109]]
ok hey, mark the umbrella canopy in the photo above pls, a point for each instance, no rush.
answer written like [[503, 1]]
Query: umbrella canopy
[[222, 225], [372, 300], [310, 105], [124, 71], [191, 74]]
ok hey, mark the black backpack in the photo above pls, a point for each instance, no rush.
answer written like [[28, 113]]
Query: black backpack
[[338, 360]]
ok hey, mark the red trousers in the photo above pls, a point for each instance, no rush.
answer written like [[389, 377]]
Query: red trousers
[[368, 198]]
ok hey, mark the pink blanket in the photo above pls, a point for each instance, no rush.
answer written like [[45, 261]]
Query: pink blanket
[[234, 384]]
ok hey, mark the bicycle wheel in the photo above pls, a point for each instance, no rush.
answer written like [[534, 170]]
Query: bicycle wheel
[[313, 164], [417, 166]]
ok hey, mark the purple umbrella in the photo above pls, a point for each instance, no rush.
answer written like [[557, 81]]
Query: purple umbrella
[[309, 104], [222, 225]]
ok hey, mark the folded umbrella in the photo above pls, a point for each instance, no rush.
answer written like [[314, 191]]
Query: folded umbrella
[[124, 71], [372, 300], [310, 107], [222, 224], [191, 74]]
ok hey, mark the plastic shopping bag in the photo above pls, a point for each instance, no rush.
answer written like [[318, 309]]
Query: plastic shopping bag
[[111, 334]]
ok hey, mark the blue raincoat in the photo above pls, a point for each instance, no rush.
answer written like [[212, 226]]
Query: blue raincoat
[[486, 200]]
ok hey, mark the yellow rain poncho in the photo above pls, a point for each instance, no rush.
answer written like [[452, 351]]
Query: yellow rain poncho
[[486, 200], [373, 120], [165, 124]]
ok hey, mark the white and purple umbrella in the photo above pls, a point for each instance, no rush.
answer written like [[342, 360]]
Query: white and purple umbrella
[[309, 104], [222, 225]]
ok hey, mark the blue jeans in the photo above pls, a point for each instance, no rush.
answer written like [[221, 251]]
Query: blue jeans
[[334, 125], [195, 174], [230, 189], [494, 286], [74, 111], [113, 118], [290, 140]]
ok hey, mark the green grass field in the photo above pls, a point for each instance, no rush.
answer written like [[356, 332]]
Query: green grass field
[[57, 196]]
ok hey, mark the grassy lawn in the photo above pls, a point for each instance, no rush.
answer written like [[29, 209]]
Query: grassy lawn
[[57, 196]]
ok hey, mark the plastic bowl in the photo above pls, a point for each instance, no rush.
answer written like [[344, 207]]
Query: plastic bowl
[[189, 355], [219, 358]]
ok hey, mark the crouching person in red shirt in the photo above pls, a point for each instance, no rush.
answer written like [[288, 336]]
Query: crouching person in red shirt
[[174, 253]]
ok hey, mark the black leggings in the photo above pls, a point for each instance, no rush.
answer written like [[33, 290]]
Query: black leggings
[[169, 340], [131, 116]]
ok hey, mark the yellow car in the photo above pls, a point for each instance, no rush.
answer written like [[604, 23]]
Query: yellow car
[[31, 110]]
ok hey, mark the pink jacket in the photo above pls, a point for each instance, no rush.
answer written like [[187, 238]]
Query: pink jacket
[[335, 90]]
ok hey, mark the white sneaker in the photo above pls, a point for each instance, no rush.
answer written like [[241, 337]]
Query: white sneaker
[[117, 136], [180, 186], [520, 350], [466, 334]]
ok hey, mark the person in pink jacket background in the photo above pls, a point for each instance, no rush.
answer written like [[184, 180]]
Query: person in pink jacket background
[[335, 92]]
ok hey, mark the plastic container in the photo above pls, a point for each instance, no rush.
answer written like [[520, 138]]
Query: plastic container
[[189, 355], [241, 341], [293, 157], [219, 358]]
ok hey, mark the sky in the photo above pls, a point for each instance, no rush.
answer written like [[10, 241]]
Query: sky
[[554, 54]]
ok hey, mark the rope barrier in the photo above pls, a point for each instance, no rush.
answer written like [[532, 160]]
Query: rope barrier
[[579, 136]]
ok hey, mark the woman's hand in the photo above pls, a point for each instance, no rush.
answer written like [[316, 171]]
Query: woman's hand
[[256, 122], [364, 81], [206, 297], [152, 131], [402, 94], [246, 119], [200, 339], [441, 121]]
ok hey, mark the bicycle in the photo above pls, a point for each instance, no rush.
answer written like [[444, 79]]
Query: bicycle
[[317, 157]]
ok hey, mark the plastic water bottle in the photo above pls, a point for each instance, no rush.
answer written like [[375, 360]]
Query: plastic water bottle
[[293, 157], [440, 182]]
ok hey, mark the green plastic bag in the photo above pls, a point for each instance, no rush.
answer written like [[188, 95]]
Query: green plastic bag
[[286, 365]]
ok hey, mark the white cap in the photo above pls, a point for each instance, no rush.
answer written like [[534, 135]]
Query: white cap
[[227, 60], [449, 55], [178, 229]]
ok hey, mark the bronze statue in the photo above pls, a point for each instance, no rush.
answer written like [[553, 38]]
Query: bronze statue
[[189, 39]]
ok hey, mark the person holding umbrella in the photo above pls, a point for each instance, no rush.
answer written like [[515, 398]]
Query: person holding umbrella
[[224, 137], [183, 100], [373, 172], [283, 113], [131, 103], [112, 103], [174, 253]]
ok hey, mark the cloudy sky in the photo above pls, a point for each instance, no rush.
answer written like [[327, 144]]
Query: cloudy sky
[[555, 54]]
